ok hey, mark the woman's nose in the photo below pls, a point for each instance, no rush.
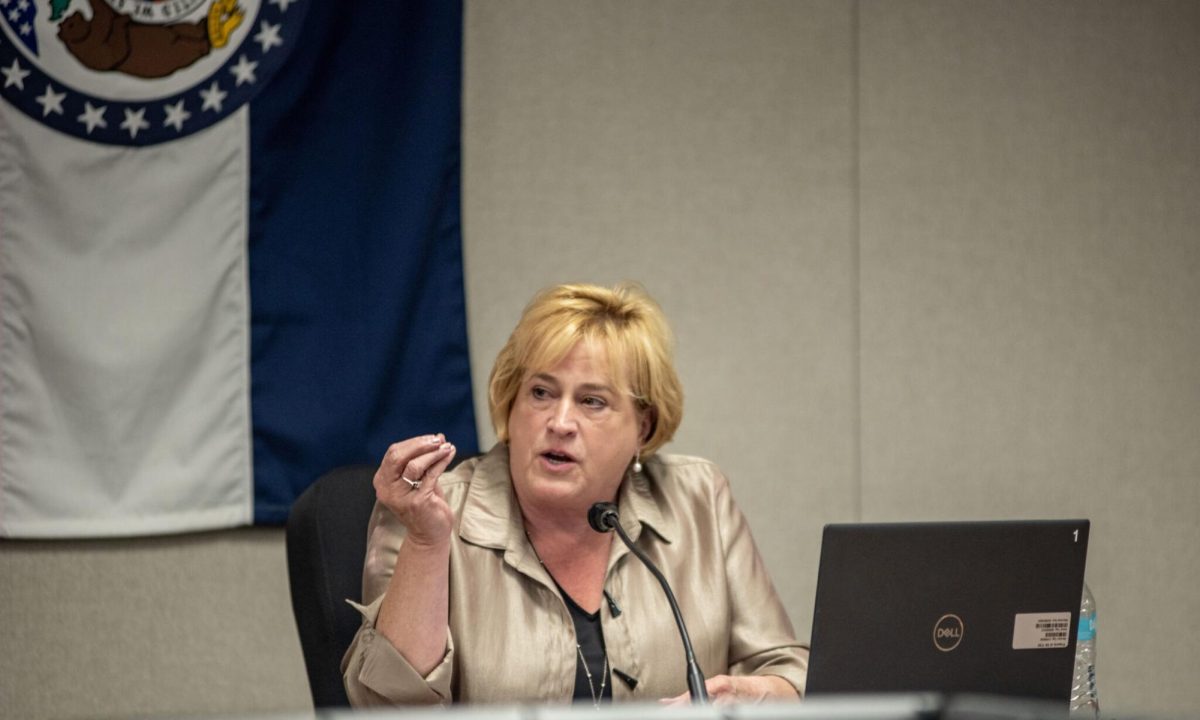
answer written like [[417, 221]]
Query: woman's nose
[[562, 419]]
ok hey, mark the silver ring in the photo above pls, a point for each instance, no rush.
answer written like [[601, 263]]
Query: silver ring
[[414, 484]]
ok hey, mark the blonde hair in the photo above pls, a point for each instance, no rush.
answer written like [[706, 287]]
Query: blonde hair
[[624, 320]]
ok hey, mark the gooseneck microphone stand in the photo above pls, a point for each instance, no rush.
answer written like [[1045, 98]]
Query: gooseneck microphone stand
[[603, 518]]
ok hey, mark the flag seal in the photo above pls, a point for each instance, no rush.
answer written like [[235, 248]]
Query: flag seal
[[140, 72]]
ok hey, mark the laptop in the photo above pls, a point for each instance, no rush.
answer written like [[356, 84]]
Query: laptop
[[949, 607]]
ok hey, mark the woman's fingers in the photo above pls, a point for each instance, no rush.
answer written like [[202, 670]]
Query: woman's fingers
[[410, 469], [399, 454], [725, 689], [425, 468], [435, 470]]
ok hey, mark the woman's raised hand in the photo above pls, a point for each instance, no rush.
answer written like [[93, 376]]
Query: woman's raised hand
[[407, 484]]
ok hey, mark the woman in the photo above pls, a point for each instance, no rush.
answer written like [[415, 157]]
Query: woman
[[487, 583]]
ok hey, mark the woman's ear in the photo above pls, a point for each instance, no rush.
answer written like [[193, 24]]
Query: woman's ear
[[646, 425]]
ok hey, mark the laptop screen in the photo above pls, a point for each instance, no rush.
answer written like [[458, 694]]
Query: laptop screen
[[957, 607]]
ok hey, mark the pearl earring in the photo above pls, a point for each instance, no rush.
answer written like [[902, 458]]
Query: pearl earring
[[637, 462]]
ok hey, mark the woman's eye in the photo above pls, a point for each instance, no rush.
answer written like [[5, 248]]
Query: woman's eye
[[539, 393], [594, 402]]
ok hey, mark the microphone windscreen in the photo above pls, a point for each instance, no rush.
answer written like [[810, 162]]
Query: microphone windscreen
[[602, 516]]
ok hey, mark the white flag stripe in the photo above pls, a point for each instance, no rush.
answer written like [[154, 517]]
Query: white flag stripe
[[124, 345]]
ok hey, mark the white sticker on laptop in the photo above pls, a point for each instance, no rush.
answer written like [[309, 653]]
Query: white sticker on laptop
[[1037, 631]]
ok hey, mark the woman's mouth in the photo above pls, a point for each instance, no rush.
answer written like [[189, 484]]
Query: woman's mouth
[[557, 458]]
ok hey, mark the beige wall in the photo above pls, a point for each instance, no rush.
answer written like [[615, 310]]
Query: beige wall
[[172, 626], [1030, 289], [924, 260]]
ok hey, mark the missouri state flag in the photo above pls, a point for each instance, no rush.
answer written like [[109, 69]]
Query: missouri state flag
[[230, 254]]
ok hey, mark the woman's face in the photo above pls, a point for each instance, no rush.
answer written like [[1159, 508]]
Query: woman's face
[[572, 432]]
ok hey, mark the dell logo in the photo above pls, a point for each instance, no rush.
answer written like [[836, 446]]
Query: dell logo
[[947, 632]]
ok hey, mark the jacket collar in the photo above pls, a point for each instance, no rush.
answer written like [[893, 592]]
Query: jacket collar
[[491, 517]]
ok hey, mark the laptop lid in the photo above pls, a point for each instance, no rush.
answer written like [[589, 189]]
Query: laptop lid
[[953, 607]]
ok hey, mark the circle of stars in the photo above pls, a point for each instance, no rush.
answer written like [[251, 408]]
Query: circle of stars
[[272, 35]]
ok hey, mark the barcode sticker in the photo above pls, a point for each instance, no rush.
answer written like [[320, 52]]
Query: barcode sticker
[[1037, 631]]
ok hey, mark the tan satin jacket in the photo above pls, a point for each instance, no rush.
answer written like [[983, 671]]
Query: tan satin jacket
[[511, 638]]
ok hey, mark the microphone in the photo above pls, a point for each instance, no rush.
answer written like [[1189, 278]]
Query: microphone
[[603, 517]]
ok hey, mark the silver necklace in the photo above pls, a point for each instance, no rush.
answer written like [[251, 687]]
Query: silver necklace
[[603, 677], [578, 648]]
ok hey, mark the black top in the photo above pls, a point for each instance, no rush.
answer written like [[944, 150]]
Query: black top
[[591, 642]]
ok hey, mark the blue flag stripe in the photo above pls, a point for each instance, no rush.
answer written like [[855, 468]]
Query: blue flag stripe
[[358, 323]]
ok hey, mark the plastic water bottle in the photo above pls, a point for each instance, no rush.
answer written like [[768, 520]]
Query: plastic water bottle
[[1085, 703]]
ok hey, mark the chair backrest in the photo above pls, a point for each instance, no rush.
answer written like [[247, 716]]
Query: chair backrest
[[326, 544]]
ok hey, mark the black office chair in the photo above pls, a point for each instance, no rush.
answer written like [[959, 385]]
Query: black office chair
[[326, 544]]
